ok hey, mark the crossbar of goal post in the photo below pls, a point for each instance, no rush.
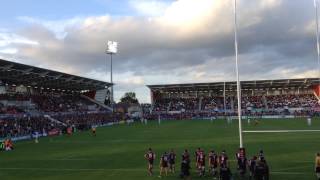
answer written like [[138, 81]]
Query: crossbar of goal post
[[281, 131]]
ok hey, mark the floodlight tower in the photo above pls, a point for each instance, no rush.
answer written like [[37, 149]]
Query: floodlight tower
[[112, 49], [237, 72]]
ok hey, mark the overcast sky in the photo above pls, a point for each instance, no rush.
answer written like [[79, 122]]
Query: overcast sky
[[161, 42]]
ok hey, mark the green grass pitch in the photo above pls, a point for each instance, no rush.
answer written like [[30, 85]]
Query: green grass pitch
[[117, 152]]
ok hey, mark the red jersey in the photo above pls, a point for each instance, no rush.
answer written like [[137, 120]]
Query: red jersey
[[185, 156], [197, 154], [150, 156], [201, 159], [223, 159], [241, 154]]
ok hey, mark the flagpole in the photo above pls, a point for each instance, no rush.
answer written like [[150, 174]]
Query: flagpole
[[237, 72]]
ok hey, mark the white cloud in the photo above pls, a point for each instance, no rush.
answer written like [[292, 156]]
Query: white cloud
[[7, 39], [58, 27], [9, 50], [149, 7]]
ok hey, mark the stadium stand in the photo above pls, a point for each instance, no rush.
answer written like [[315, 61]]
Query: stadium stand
[[47, 102], [265, 97]]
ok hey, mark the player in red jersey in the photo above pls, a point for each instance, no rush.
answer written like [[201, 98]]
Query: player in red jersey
[[172, 161], [201, 162], [242, 161], [196, 155], [150, 156], [223, 159], [213, 163]]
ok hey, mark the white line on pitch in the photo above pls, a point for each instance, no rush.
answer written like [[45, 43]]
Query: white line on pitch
[[280, 131]]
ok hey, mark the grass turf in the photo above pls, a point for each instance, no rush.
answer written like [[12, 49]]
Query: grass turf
[[117, 152]]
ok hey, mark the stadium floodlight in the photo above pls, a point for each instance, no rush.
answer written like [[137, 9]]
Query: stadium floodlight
[[237, 72], [111, 49]]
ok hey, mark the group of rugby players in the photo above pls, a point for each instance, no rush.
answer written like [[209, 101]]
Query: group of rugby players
[[218, 164]]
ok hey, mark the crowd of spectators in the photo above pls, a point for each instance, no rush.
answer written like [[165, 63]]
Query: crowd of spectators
[[23, 126], [292, 101], [10, 109], [61, 103], [264, 103], [15, 97], [64, 110]]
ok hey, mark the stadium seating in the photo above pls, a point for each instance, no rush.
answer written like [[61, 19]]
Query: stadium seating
[[22, 126], [270, 105], [64, 110]]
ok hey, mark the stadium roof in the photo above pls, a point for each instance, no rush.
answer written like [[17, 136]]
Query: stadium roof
[[19, 74], [245, 85]]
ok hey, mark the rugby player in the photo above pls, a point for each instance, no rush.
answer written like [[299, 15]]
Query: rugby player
[[172, 161], [164, 164], [317, 165], [93, 129], [196, 154], [261, 155], [252, 164], [242, 161], [223, 159], [225, 173], [261, 171], [201, 163], [213, 163], [185, 170], [186, 156], [150, 156]]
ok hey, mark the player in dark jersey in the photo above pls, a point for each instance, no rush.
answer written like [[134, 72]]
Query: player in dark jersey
[[225, 173], [150, 156], [242, 161], [213, 163], [223, 159], [261, 171], [201, 162], [164, 160], [172, 161], [252, 164], [261, 155], [186, 156]]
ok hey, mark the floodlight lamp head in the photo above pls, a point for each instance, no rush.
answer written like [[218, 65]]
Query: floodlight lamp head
[[112, 47]]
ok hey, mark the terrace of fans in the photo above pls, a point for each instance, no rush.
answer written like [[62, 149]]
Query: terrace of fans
[[40, 100], [287, 96]]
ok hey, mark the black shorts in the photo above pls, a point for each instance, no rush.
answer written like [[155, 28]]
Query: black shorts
[[164, 165], [172, 162], [151, 162], [318, 170]]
